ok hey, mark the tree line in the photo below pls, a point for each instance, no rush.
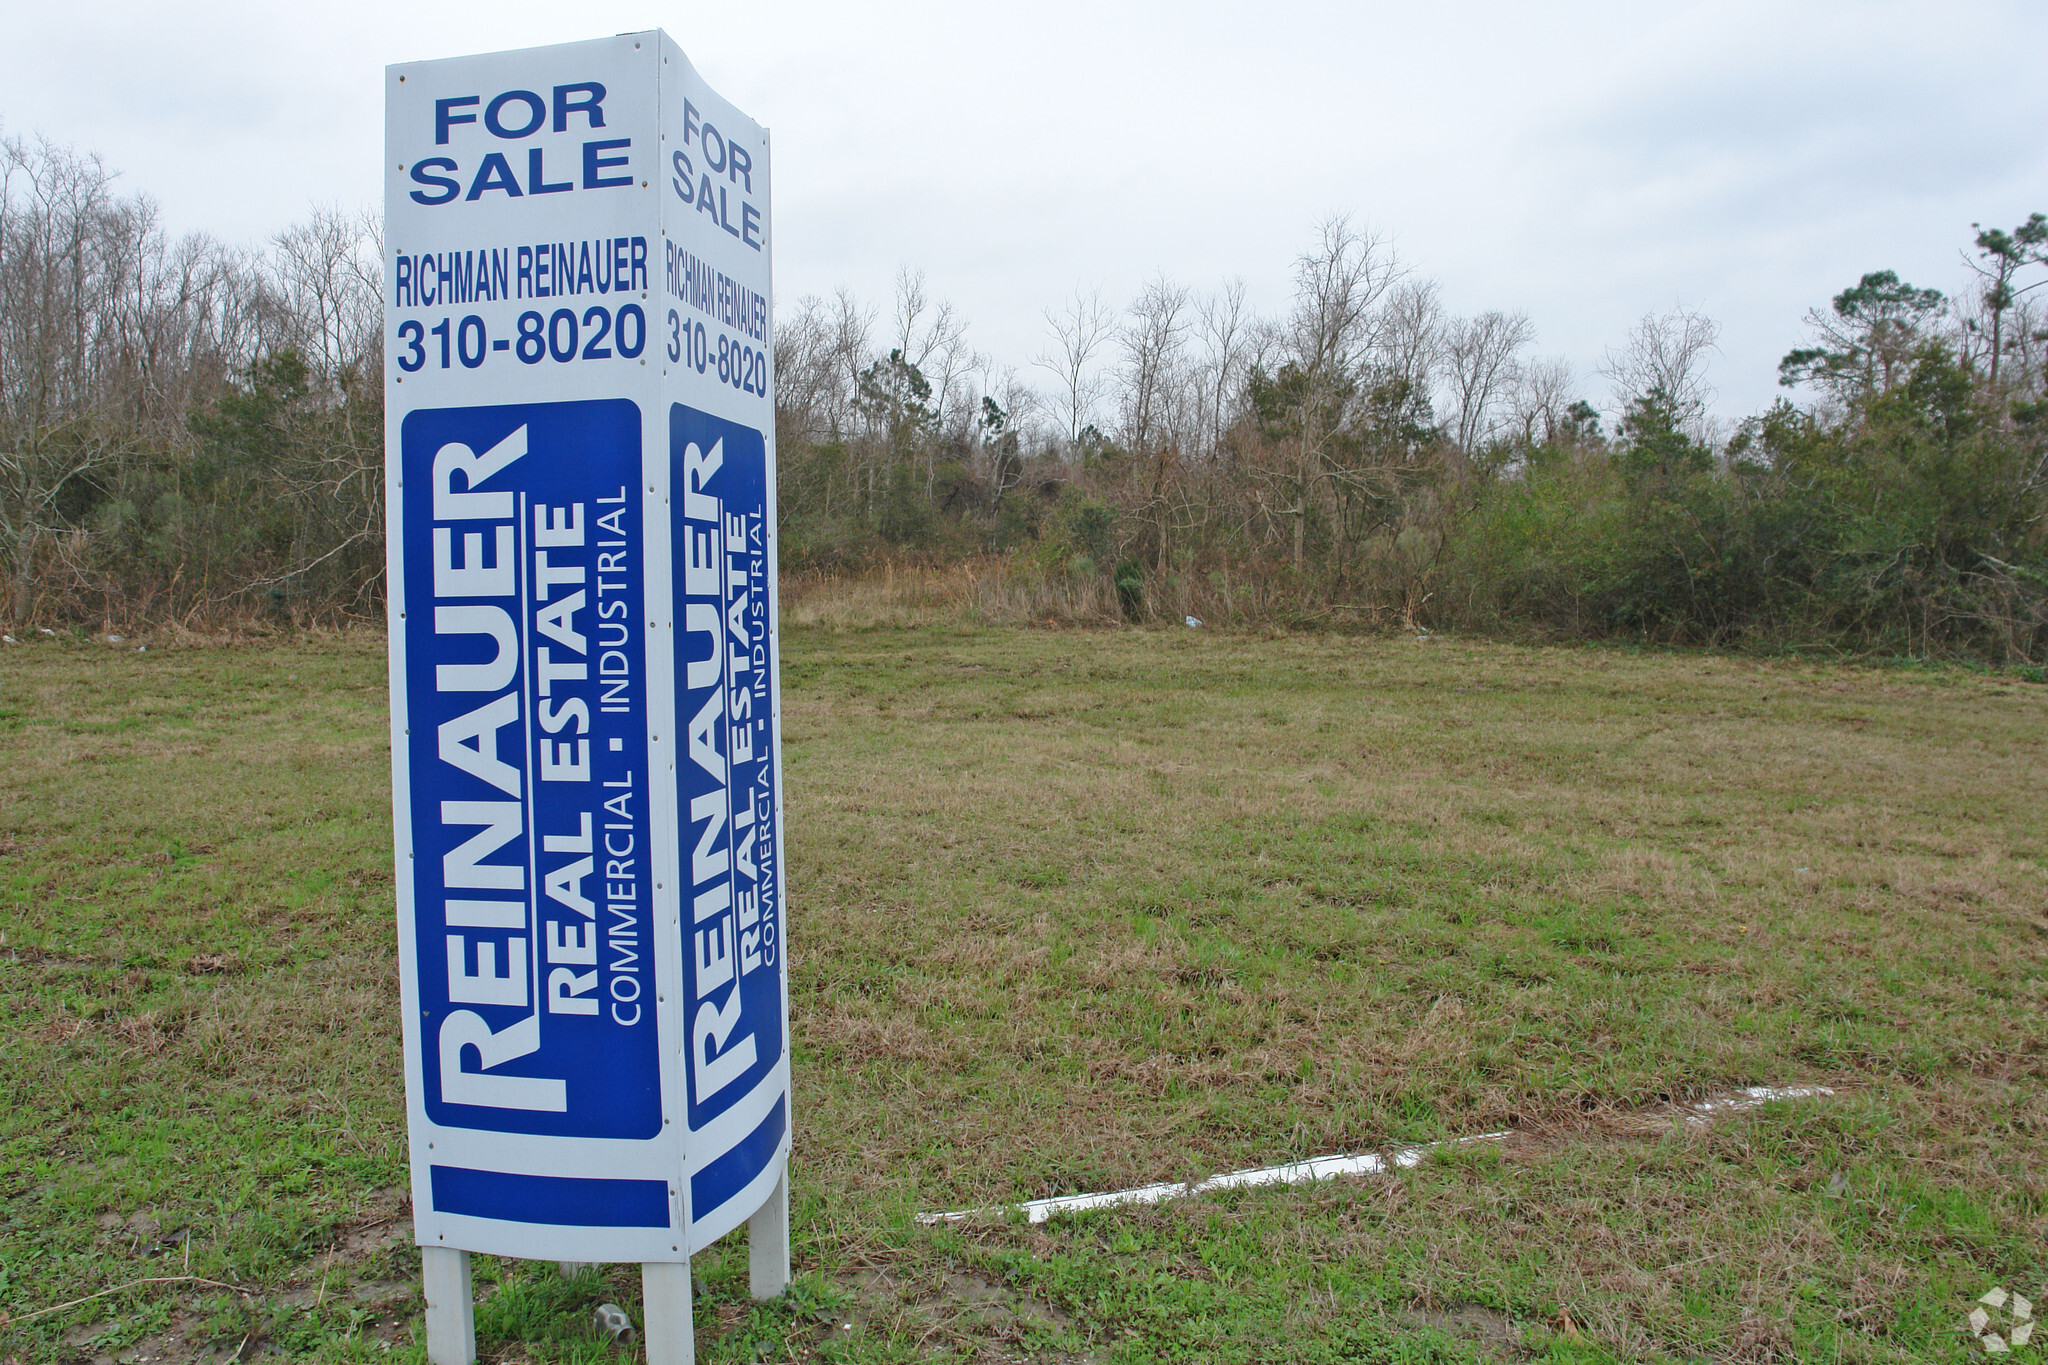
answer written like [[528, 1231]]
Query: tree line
[[1367, 456], [192, 432], [189, 431]]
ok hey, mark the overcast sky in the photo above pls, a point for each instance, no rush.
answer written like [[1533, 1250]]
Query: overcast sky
[[1581, 162]]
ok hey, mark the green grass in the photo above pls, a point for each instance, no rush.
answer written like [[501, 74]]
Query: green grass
[[1075, 911]]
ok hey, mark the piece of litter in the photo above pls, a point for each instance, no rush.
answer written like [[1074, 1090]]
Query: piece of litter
[[1194, 621], [10, 639], [1993, 1297], [613, 1321], [114, 639], [1326, 1167], [46, 630], [1754, 1097], [1293, 1173], [1802, 869]]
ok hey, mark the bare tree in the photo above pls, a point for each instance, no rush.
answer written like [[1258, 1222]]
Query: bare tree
[[820, 349], [1008, 408], [1481, 367], [1666, 353], [931, 337], [1336, 287], [1079, 331], [1329, 338], [325, 277], [192, 310], [805, 372], [55, 208], [1153, 340], [327, 272], [851, 348], [1223, 324], [1542, 401], [1411, 334]]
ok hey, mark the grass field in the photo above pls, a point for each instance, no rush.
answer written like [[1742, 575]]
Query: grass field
[[1080, 910]]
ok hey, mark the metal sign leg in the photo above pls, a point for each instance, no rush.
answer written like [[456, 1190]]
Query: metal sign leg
[[665, 1304], [768, 1243], [451, 1306]]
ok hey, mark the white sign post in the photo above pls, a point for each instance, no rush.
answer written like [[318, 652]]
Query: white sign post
[[585, 704]]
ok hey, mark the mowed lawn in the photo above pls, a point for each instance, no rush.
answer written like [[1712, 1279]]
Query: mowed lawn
[[1083, 910]]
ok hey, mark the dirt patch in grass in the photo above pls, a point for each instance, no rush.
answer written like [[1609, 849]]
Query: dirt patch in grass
[[1492, 1331]]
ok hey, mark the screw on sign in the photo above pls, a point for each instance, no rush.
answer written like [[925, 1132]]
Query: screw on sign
[[2002, 1321]]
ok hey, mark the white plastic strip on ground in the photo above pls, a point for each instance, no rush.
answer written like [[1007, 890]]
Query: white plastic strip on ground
[[1325, 1167], [1293, 1173], [1706, 1111]]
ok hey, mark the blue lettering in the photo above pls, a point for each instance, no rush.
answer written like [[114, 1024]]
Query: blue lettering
[[445, 189], [494, 174], [445, 118], [536, 178], [534, 105], [588, 106], [595, 164]]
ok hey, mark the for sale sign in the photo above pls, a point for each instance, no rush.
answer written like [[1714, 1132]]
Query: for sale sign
[[585, 703]]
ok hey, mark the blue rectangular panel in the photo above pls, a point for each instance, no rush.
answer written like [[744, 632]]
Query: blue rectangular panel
[[739, 1164], [565, 1201], [526, 745], [725, 771]]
